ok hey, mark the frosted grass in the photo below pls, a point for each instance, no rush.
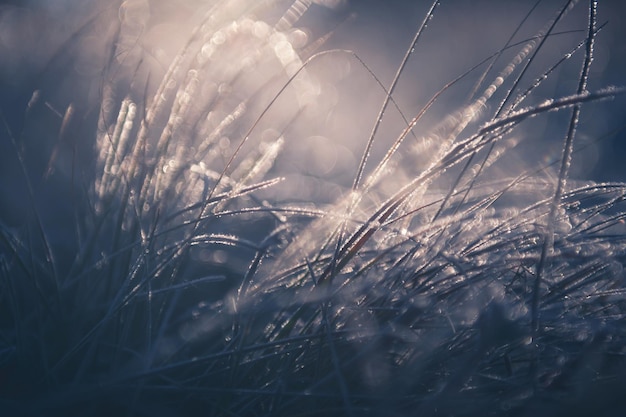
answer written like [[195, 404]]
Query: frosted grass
[[437, 278]]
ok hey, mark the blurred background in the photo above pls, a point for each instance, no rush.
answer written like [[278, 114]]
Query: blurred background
[[59, 49]]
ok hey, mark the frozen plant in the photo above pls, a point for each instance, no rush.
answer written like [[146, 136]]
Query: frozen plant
[[212, 230]]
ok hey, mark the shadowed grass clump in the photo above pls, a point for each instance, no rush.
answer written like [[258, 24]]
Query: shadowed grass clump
[[167, 250]]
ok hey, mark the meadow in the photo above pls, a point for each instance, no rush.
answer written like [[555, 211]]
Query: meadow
[[312, 208]]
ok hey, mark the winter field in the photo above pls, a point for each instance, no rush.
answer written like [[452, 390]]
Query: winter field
[[312, 208]]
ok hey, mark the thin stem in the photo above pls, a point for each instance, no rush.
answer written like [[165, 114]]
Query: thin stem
[[548, 242]]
